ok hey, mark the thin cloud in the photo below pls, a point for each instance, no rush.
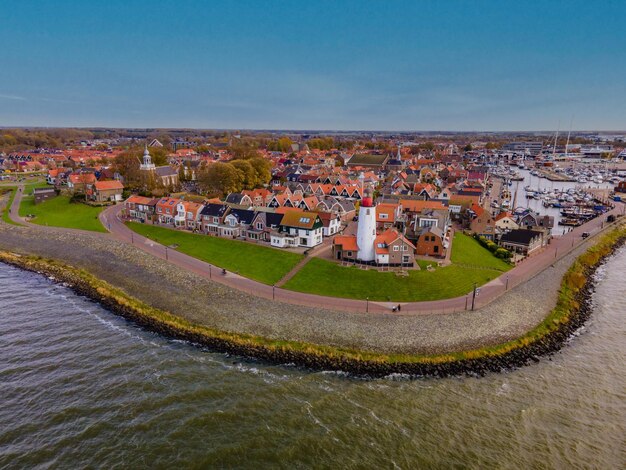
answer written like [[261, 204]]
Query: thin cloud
[[12, 97]]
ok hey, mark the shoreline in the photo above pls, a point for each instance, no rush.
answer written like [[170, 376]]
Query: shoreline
[[570, 313]]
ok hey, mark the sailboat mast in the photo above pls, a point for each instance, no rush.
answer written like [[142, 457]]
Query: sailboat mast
[[568, 134], [556, 137]]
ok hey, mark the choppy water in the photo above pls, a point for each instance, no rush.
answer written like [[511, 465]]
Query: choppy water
[[80, 387]]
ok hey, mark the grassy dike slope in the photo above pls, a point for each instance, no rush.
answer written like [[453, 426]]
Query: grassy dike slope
[[258, 262], [570, 312]]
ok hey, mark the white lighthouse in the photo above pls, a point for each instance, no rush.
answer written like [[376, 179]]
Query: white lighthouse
[[366, 231]]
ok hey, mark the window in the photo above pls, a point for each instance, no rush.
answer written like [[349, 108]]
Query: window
[[396, 248], [259, 225], [380, 245], [216, 220], [349, 254], [305, 220], [384, 216]]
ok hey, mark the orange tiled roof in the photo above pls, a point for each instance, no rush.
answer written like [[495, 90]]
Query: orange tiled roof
[[105, 185], [347, 242], [419, 205]]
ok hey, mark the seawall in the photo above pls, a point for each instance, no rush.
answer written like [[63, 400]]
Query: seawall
[[129, 283]]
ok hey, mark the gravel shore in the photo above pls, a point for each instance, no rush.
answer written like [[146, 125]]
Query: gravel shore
[[214, 305]]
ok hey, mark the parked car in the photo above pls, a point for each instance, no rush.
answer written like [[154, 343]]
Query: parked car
[[585, 234]]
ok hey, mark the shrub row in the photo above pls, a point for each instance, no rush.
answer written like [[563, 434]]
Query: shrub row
[[497, 251]]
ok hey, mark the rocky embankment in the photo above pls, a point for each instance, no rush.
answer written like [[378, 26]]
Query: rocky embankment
[[231, 321]]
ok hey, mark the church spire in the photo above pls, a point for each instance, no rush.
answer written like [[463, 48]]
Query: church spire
[[147, 160]]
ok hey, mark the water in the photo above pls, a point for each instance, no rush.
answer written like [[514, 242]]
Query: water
[[80, 387], [543, 183]]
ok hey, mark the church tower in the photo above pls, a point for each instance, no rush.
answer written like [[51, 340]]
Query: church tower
[[366, 231], [147, 161]]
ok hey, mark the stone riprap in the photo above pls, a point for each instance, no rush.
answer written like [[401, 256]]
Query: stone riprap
[[204, 302]]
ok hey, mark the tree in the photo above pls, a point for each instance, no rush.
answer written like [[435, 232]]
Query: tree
[[244, 151], [428, 146], [127, 164], [222, 178], [281, 145], [323, 143], [468, 148], [247, 172], [263, 170]]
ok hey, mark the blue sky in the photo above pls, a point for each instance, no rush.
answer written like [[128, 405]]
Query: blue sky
[[386, 65]]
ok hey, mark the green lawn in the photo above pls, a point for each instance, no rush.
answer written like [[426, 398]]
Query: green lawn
[[5, 210], [475, 265], [324, 277], [261, 263], [466, 250], [59, 212]]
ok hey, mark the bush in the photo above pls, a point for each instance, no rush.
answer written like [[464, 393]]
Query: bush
[[503, 253], [77, 197]]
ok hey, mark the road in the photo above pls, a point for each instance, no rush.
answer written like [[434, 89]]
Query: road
[[528, 268], [558, 248]]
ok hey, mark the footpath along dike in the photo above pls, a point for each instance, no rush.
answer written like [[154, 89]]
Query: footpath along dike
[[512, 331]]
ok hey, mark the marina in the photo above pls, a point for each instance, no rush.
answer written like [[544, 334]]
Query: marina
[[571, 203]]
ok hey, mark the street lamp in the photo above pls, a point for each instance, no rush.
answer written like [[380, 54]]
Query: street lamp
[[274, 292], [367, 305], [166, 257], [474, 297], [210, 273]]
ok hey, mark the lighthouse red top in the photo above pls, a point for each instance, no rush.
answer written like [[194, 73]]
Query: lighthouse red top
[[367, 201]]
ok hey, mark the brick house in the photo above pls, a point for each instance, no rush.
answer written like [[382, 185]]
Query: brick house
[[430, 242], [481, 222], [105, 191], [166, 210]]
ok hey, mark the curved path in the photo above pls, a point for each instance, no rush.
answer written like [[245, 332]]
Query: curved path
[[558, 248], [198, 299]]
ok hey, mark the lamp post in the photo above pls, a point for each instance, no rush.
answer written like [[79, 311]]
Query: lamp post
[[507, 283], [210, 272], [274, 292], [132, 238], [473, 297], [166, 255], [367, 305]]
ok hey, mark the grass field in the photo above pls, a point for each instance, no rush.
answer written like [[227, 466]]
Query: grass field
[[261, 263], [466, 250], [324, 277], [5, 210], [59, 212], [471, 264]]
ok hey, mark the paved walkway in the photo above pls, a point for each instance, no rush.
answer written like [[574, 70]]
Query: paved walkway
[[315, 252], [487, 293], [525, 270]]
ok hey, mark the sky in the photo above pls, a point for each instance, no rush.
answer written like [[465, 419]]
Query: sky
[[417, 65]]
